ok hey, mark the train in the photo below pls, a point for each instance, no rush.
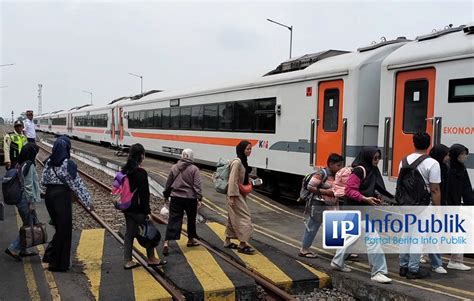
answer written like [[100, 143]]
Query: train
[[332, 101]]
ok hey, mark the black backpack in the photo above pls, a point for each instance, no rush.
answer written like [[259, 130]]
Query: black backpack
[[411, 187], [305, 194], [12, 186]]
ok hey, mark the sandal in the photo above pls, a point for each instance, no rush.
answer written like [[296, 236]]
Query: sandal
[[15, 256], [231, 246], [129, 267], [192, 244], [159, 264], [307, 255], [246, 250]]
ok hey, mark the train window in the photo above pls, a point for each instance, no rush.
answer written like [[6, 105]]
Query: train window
[[210, 117], [265, 115], [461, 90], [148, 122], [196, 117], [226, 114], [141, 120], [331, 110], [156, 119], [185, 117], [165, 118], [244, 115], [174, 118], [415, 106], [131, 120], [59, 121]]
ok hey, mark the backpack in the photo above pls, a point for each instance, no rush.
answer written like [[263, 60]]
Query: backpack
[[340, 180], [305, 194], [122, 195], [411, 187], [12, 187], [221, 176], [148, 235]]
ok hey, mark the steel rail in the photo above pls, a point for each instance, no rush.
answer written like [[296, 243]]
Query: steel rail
[[272, 288], [175, 293]]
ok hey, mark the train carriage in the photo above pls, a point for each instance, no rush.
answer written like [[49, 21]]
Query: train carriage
[[427, 85]]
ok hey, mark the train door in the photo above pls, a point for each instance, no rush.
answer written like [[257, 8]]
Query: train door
[[120, 123], [69, 124], [112, 127], [414, 109], [329, 135]]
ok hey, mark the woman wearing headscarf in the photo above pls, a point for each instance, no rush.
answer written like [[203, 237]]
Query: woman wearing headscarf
[[139, 210], [31, 195], [239, 223], [60, 178], [365, 186], [184, 188], [458, 191]]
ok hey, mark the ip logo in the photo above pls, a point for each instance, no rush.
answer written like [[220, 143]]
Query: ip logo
[[340, 228]]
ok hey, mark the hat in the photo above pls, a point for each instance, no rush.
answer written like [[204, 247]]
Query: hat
[[17, 123]]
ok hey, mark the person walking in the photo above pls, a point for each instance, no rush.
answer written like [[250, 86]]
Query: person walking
[[30, 131], [13, 142], [139, 210], [30, 196], [239, 224], [430, 170], [320, 184], [365, 187], [61, 180], [459, 192], [184, 187]]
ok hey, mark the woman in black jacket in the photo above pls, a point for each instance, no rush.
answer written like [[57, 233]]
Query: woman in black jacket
[[139, 210], [458, 187]]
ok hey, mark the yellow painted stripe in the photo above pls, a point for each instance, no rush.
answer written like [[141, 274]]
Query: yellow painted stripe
[[216, 284], [53, 287], [324, 279], [145, 286], [90, 251], [257, 262], [28, 268]]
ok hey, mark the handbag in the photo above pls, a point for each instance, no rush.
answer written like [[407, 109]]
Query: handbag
[[148, 235], [245, 189], [34, 233]]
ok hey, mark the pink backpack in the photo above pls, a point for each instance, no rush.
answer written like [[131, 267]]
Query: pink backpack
[[121, 191], [340, 181]]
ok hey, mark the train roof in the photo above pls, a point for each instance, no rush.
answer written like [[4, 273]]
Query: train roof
[[336, 65], [451, 43]]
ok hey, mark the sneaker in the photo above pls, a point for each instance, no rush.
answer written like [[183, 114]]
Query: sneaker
[[418, 275], [380, 278], [423, 258], [344, 268], [440, 270], [403, 272], [458, 266]]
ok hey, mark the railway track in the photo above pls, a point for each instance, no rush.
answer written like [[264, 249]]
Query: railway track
[[103, 217]]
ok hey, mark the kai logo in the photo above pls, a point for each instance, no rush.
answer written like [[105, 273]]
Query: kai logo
[[262, 143]]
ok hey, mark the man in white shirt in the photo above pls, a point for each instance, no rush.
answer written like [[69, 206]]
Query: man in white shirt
[[431, 172], [29, 130]]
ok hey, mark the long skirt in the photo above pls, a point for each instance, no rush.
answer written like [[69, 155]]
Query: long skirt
[[239, 224], [58, 202]]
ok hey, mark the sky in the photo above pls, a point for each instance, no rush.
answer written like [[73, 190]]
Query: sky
[[75, 46]]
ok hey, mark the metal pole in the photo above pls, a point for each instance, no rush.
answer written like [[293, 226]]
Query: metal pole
[[291, 38], [141, 80], [89, 93]]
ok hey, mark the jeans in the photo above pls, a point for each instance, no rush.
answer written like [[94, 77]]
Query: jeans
[[312, 223], [24, 211], [375, 254], [436, 261], [410, 261]]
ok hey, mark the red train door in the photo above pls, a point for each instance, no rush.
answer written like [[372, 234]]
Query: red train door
[[414, 110], [329, 135], [112, 127], [120, 122]]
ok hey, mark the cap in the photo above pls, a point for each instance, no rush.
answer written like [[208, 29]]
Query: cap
[[17, 123]]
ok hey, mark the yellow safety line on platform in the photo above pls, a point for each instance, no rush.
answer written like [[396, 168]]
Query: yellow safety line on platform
[[324, 279], [145, 286], [257, 262], [28, 268], [53, 287], [214, 281], [90, 251]]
